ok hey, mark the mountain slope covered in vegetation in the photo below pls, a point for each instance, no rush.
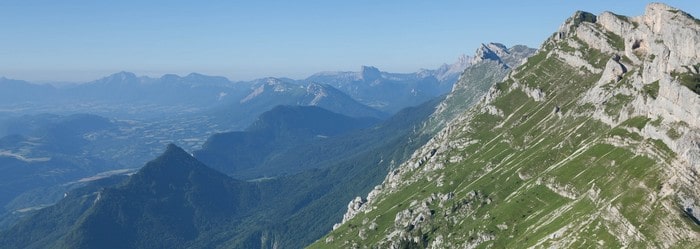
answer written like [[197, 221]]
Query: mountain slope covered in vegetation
[[591, 143]]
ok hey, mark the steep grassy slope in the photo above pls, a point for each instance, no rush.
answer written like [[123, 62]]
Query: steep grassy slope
[[580, 147]]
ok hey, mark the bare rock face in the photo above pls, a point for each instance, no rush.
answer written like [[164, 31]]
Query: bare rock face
[[663, 41], [660, 43], [354, 207], [677, 30], [509, 57]]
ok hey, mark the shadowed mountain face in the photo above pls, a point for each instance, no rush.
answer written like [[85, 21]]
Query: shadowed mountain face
[[269, 93], [273, 134], [48, 150], [17, 92], [46, 153], [178, 202], [170, 202]]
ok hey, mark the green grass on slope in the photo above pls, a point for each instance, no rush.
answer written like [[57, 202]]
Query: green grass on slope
[[689, 79], [534, 179]]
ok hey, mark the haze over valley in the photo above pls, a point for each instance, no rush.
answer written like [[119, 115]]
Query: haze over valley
[[588, 136]]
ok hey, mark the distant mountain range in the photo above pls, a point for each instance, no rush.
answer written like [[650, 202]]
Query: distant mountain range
[[271, 92], [390, 92], [306, 164], [121, 94], [125, 94]]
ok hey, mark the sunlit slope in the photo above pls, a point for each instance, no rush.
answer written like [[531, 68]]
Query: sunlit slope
[[591, 143]]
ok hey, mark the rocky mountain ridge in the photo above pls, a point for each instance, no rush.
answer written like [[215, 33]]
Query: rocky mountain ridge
[[592, 142], [390, 92], [493, 61]]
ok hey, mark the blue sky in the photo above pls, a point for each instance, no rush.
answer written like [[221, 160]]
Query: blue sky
[[45, 41]]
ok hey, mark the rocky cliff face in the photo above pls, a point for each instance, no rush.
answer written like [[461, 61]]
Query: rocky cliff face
[[641, 79], [493, 61], [593, 142], [508, 57]]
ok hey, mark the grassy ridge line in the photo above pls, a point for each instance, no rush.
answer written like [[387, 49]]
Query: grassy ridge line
[[527, 166]]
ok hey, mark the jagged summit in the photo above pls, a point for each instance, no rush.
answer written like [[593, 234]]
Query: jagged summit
[[492, 51], [664, 43], [479, 76], [447, 71], [509, 57], [463, 60], [662, 30]]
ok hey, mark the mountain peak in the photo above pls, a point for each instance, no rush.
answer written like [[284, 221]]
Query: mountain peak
[[119, 78], [496, 46], [271, 81], [195, 75], [199, 76], [463, 59], [202, 79], [170, 77], [490, 51], [175, 154], [659, 12], [663, 31], [370, 73], [653, 8], [172, 170], [122, 75], [173, 149]]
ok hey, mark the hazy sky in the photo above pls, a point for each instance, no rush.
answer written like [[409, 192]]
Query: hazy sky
[[71, 40]]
